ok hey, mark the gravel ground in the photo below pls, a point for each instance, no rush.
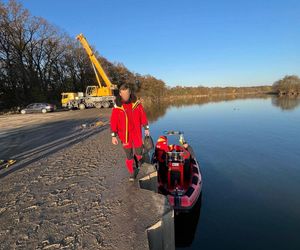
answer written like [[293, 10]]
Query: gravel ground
[[22, 133], [77, 197], [15, 121]]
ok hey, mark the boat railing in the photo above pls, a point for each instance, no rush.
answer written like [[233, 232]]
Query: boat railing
[[175, 156]]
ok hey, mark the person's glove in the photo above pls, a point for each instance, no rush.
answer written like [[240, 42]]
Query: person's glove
[[147, 132], [182, 140], [114, 140]]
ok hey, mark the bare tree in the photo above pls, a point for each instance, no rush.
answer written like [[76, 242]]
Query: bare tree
[[38, 61]]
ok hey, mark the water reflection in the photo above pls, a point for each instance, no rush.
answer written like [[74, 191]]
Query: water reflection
[[245, 154], [186, 225], [155, 111], [286, 103]]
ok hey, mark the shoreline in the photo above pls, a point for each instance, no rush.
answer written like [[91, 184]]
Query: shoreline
[[148, 100]]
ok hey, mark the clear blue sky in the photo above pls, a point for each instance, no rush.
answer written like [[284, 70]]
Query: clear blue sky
[[190, 42]]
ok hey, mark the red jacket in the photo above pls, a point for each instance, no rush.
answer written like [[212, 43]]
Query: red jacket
[[119, 121]]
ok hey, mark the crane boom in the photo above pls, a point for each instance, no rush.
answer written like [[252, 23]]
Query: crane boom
[[96, 64], [98, 96]]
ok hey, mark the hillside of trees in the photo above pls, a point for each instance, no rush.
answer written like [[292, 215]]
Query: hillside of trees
[[287, 86]]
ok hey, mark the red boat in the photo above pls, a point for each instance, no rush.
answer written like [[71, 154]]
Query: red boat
[[179, 176]]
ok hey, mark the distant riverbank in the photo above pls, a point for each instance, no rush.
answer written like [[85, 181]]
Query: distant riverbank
[[182, 92], [187, 93]]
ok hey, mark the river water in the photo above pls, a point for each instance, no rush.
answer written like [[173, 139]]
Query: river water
[[249, 152]]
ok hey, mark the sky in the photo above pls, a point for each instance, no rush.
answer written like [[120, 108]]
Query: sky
[[191, 42]]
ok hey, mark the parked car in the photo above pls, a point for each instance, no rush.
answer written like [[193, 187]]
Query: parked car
[[38, 108]]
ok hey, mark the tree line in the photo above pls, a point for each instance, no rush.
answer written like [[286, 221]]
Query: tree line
[[210, 91], [287, 86], [38, 61]]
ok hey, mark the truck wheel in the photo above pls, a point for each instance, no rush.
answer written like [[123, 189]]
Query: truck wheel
[[81, 106], [106, 104], [98, 105], [44, 111]]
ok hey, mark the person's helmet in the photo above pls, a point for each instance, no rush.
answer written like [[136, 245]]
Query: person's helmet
[[162, 143]]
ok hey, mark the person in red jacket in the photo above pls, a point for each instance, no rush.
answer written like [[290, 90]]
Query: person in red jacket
[[127, 119]]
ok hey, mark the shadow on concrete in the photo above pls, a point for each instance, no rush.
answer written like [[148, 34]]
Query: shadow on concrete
[[30, 145]]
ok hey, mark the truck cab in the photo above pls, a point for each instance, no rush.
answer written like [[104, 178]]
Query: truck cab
[[69, 98]]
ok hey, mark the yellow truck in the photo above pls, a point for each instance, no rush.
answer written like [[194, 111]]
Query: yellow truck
[[72, 100], [98, 96]]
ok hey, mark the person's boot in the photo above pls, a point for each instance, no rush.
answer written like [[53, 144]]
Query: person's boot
[[129, 164], [138, 162], [138, 167], [132, 177], [134, 174], [136, 171]]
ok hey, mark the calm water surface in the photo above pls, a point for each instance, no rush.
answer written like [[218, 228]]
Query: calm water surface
[[249, 152]]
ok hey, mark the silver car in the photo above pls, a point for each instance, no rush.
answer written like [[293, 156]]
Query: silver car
[[38, 108]]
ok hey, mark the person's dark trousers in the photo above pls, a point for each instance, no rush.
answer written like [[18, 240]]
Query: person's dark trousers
[[130, 157]]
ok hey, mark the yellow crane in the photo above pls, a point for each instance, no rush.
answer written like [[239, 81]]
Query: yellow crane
[[95, 96], [95, 90]]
